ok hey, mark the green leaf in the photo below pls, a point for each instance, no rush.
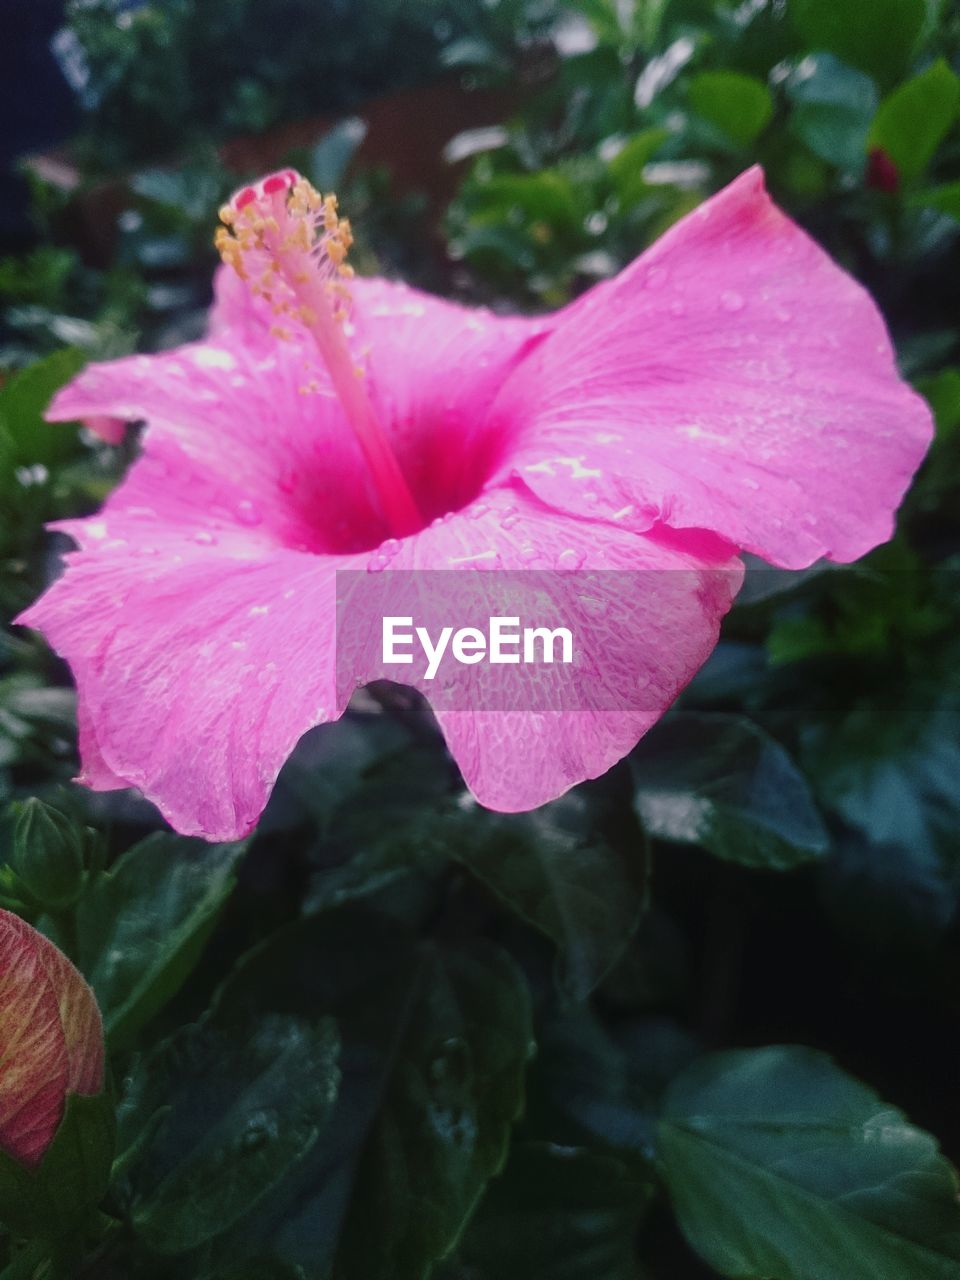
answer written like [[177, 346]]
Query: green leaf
[[721, 782], [558, 872], [433, 1046], [240, 1103], [895, 780], [443, 1130], [942, 391], [556, 867], [55, 1198], [879, 36], [779, 1164], [556, 1213], [547, 197], [626, 167], [945, 199], [833, 107], [25, 439], [142, 925], [913, 120], [738, 105]]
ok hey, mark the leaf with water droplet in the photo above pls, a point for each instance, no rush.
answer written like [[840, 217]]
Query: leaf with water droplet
[[264, 1089], [141, 926], [455, 1089], [720, 781]]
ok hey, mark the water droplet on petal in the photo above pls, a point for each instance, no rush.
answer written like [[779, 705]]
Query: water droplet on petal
[[732, 301], [655, 278], [678, 308], [528, 553], [594, 606], [570, 559], [204, 538], [377, 562], [247, 513]]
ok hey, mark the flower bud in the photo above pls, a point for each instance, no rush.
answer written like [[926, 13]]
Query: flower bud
[[47, 854], [51, 1078]]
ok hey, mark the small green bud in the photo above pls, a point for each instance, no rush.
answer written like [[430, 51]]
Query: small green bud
[[48, 854]]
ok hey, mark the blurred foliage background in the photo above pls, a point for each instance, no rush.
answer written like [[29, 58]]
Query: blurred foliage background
[[321, 1039]]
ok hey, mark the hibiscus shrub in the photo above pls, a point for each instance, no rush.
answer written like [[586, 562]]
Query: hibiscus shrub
[[696, 1016]]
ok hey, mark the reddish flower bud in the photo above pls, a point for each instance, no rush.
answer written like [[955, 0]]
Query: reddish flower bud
[[51, 1040], [882, 173]]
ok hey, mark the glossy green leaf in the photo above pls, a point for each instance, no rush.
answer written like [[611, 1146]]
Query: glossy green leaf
[[142, 925], [456, 1086], [912, 122], [556, 1213], [879, 36], [433, 1045], [554, 867], [779, 1164], [832, 109], [239, 1103], [722, 782], [558, 872], [739, 106]]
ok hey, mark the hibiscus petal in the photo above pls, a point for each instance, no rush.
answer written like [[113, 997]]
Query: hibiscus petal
[[240, 436], [33, 1055], [434, 368], [199, 670], [652, 620], [246, 429], [733, 378]]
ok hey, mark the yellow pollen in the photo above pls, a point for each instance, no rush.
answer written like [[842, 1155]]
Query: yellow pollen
[[291, 245]]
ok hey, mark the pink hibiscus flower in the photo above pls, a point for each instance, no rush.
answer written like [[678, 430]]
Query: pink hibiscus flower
[[730, 390]]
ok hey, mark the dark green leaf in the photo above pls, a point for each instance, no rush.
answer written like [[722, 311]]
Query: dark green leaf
[[433, 1047], [443, 1129], [739, 106], [779, 1164], [142, 925], [240, 1103], [879, 36], [893, 780], [557, 871], [721, 782], [556, 1213], [72, 1177], [912, 122], [554, 867], [942, 391]]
